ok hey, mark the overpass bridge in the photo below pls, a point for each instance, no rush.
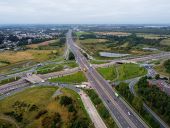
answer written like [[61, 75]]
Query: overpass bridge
[[33, 78]]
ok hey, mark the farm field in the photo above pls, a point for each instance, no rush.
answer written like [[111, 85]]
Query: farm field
[[165, 42], [22, 59], [114, 33], [36, 55], [46, 43], [41, 111], [151, 36], [82, 33]]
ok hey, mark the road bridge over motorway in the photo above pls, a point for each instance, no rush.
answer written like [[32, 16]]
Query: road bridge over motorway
[[33, 78]]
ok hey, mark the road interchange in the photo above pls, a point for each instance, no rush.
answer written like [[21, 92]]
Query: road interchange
[[118, 109]]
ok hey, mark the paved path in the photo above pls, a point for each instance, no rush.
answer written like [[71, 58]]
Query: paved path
[[95, 117]]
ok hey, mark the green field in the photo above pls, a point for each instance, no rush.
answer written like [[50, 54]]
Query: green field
[[108, 73], [128, 71], [124, 72], [49, 68], [165, 42], [97, 62], [74, 78], [34, 106], [56, 67], [151, 36], [82, 33]]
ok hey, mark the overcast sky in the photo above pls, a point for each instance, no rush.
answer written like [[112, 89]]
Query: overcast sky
[[85, 11]]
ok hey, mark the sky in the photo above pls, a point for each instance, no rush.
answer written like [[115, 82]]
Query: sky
[[84, 11]]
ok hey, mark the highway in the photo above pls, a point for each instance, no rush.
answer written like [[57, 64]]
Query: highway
[[124, 116], [117, 107]]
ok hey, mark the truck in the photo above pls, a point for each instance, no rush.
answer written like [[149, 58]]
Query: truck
[[84, 69], [117, 95]]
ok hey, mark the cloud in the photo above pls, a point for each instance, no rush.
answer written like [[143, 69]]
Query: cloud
[[85, 11]]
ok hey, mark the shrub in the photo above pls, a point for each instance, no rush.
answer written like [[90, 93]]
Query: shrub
[[65, 100]]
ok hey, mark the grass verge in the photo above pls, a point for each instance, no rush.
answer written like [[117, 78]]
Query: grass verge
[[73, 78], [104, 113]]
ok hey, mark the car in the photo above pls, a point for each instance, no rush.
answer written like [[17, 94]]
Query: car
[[129, 113]]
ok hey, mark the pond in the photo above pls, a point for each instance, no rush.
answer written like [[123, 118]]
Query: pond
[[109, 54]]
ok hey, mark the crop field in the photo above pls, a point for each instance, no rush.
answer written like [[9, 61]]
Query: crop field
[[46, 43], [36, 55], [13, 60], [34, 106], [92, 41], [114, 33], [81, 33], [165, 42], [151, 36]]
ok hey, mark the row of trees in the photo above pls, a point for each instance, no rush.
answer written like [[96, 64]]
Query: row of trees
[[155, 98], [167, 65], [137, 103]]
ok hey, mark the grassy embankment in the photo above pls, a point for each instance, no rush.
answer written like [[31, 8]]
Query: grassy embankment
[[124, 72], [56, 67], [5, 81], [73, 78], [34, 106]]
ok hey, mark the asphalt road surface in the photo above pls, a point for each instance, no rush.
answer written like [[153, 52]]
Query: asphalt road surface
[[124, 116]]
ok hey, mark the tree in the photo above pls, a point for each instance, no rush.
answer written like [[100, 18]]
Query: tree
[[167, 66], [65, 100], [157, 76], [138, 104], [71, 56]]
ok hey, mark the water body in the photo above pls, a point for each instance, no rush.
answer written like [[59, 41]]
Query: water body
[[109, 54], [150, 49]]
